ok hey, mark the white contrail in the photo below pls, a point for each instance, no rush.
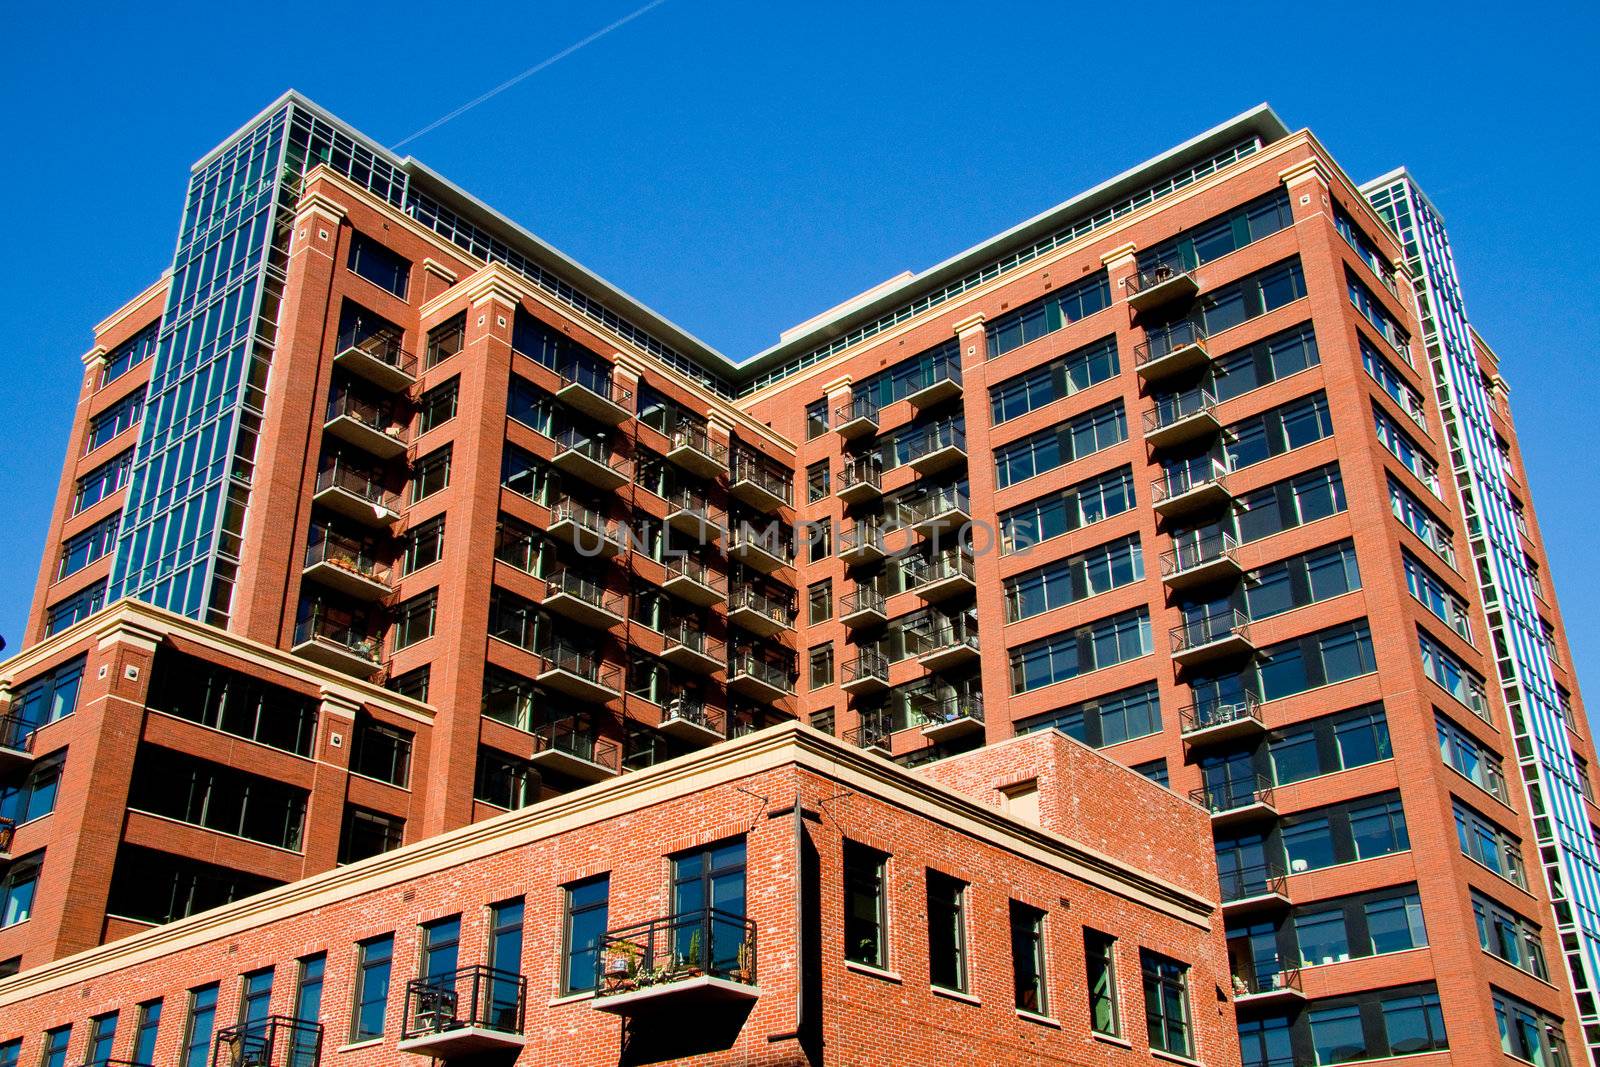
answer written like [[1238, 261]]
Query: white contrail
[[530, 72]]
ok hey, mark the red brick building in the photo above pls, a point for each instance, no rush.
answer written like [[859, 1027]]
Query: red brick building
[[1168, 468]]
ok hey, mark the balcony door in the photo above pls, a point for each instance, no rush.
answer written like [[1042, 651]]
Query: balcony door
[[708, 905]]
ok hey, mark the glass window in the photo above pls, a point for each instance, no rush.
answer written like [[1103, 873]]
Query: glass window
[[1414, 1024], [1322, 936], [1309, 844], [438, 405], [102, 1036], [54, 1051], [505, 963], [1028, 959], [866, 906], [424, 545], [432, 473], [1395, 924], [1069, 374], [1100, 957], [369, 833], [446, 340], [94, 543], [379, 265], [441, 949], [145, 1034], [374, 962], [1337, 1035], [1166, 1003], [1048, 314], [819, 601], [587, 912], [17, 891], [816, 419], [947, 934], [201, 1022], [11, 1053], [1379, 829], [414, 620]]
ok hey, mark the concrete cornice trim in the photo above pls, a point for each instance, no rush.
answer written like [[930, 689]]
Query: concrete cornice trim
[[495, 283], [838, 385], [1126, 250], [965, 326], [791, 744], [131, 632], [150, 292], [433, 266], [1306, 170], [95, 356], [316, 202], [135, 616]]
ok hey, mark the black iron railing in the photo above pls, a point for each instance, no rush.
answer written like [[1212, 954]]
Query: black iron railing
[[585, 665], [1159, 344], [1233, 794], [871, 733], [382, 418], [1256, 880], [941, 370], [364, 484], [596, 380], [748, 470], [1210, 628], [1157, 272], [346, 553], [859, 408], [8, 830], [480, 997], [569, 737], [1176, 407], [16, 733], [747, 599], [708, 942], [585, 589], [861, 598], [1192, 555], [940, 567], [867, 666], [951, 709], [1205, 716], [1263, 979], [383, 347], [772, 674], [697, 439], [1178, 481], [863, 471], [937, 439], [356, 639], [859, 536], [696, 712], [594, 448], [276, 1041], [683, 636]]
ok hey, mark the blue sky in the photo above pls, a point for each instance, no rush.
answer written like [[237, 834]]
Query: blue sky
[[742, 166]]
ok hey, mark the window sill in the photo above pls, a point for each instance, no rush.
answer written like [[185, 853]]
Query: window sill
[[1042, 1020], [571, 998], [370, 1042], [872, 972], [1173, 1057], [1111, 1039], [954, 994]]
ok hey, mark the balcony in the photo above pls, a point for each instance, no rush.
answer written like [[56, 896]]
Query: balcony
[[691, 721], [691, 515], [473, 1010], [8, 831], [1200, 562], [577, 752], [1181, 418], [593, 392], [1162, 282], [1253, 889], [695, 650], [859, 418], [346, 564], [945, 575], [1174, 350], [351, 649], [940, 512], [588, 531], [860, 480], [867, 673], [951, 643], [758, 612], [582, 599], [578, 674], [380, 360], [589, 459], [752, 677], [16, 742], [691, 580], [1214, 722], [1213, 636], [372, 427], [761, 488], [1237, 801], [695, 451], [941, 382], [1268, 988], [941, 448], [358, 495], [276, 1041], [952, 718], [1190, 489], [762, 550], [678, 963], [862, 606], [872, 735], [861, 542]]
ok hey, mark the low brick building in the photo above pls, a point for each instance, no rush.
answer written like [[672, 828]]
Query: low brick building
[[806, 901]]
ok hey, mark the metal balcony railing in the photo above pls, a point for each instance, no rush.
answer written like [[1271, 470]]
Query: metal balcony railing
[[383, 347], [858, 536], [951, 709], [936, 439], [696, 712], [8, 830], [357, 640], [346, 553], [708, 942], [1209, 628], [748, 599], [867, 666], [947, 501], [276, 1041], [584, 588], [592, 447], [1256, 880], [1192, 555], [861, 598], [696, 571], [1186, 479], [942, 372], [1176, 407], [598, 530], [1262, 981], [685, 636], [585, 665], [688, 500], [478, 997], [365, 484], [860, 409], [938, 568], [870, 733], [567, 736], [1233, 794], [1155, 272], [861, 472], [596, 380], [379, 417], [946, 632], [16, 733], [699, 440], [1159, 344], [747, 470], [771, 541], [1212, 714], [771, 674]]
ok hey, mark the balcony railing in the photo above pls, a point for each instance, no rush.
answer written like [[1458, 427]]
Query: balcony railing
[[383, 348], [378, 417], [766, 549], [276, 1041], [694, 713], [861, 541], [1183, 344], [1175, 408], [651, 957], [941, 379], [946, 507], [1234, 794], [869, 670], [358, 483], [760, 484], [1156, 282], [592, 390], [16, 734], [695, 443], [857, 418], [936, 570], [1263, 982], [693, 504], [1210, 629], [1241, 715], [583, 589], [936, 446], [681, 569], [566, 737], [357, 641], [596, 534], [582, 664], [873, 734], [347, 554], [747, 599], [951, 711], [1256, 880], [860, 479], [468, 1008], [1200, 554], [946, 635], [863, 599], [769, 674], [1188, 482], [8, 830], [696, 641]]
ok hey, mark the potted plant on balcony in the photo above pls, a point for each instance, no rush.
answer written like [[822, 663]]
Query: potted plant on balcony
[[744, 970], [691, 963], [621, 971]]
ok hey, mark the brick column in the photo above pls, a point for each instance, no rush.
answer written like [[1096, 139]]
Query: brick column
[[324, 824], [267, 589]]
